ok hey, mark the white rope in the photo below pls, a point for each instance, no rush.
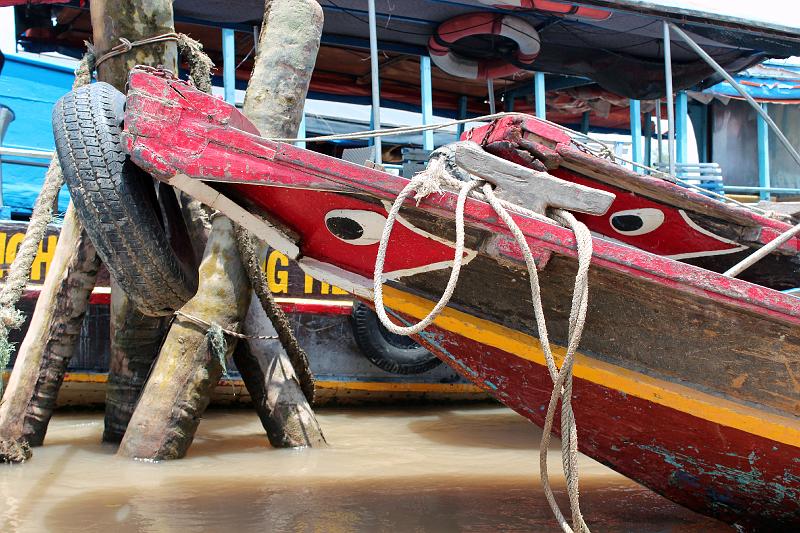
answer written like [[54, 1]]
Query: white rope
[[426, 182], [562, 378], [431, 180]]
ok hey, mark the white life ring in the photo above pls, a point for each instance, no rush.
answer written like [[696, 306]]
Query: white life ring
[[514, 28], [550, 6]]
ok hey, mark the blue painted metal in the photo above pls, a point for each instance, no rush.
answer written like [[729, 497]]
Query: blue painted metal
[[771, 190], [301, 132], [426, 86], [30, 87], [763, 155], [229, 65], [682, 127], [636, 133], [462, 114], [539, 94]]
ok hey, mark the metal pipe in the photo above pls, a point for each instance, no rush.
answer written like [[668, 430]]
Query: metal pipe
[[462, 114], [721, 71], [763, 156], [376, 87], [772, 190], [682, 128], [648, 140], [762, 252], [670, 103], [490, 90], [25, 152], [426, 87], [636, 133], [301, 131], [539, 94], [659, 133], [229, 65]]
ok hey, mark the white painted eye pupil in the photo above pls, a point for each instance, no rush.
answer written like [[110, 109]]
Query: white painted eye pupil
[[355, 226], [636, 221]]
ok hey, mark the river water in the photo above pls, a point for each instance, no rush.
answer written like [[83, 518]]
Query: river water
[[417, 470]]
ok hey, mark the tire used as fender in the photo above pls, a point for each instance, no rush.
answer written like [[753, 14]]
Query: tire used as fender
[[116, 201], [393, 353]]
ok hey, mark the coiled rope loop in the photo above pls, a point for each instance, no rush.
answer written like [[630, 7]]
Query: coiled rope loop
[[431, 180]]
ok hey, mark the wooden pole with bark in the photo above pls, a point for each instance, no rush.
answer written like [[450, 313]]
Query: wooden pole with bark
[[274, 101], [49, 343], [179, 388], [135, 337]]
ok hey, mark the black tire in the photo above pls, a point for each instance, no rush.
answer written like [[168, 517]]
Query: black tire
[[393, 353], [117, 202]]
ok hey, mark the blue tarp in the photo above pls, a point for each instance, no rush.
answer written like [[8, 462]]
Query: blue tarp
[[769, 82]]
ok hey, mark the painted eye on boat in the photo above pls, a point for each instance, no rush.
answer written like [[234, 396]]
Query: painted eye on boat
[[355, 226], [637, 221]]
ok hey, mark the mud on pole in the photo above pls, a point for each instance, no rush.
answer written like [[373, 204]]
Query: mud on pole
[[274, 101], [178, 390], [135, 338]]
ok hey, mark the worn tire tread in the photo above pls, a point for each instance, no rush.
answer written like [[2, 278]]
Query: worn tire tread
[[111, 200]]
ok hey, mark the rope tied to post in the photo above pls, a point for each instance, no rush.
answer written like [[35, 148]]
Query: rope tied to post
[[42, 215], [430, 181], [199, 63]]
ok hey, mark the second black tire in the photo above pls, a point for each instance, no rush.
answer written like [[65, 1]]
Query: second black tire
[[390, 352], [116, 201]]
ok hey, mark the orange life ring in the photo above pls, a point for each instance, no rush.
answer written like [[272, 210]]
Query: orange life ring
[[514, 28], [551, 6]]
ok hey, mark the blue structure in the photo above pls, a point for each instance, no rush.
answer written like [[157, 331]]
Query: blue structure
[[30, 87]]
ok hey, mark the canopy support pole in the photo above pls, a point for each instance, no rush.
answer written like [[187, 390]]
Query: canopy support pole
[[426, 86], [376, 89], [721, 71], [490, 91], [585, 122], [659, 133], [670, 103], [462, 114], [763, 156], [682, 127], [229, 65], [539, 94], [648, 139], [636, 133]]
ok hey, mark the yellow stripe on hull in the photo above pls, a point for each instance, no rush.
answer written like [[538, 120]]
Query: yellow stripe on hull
[[695, 403]]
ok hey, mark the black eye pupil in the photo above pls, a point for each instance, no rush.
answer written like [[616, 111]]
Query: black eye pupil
[[345, 228], [627, 222]]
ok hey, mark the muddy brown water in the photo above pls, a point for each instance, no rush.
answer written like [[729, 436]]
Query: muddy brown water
[[417, 470]]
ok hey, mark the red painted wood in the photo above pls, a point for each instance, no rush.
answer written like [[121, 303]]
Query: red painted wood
[[167, 136]]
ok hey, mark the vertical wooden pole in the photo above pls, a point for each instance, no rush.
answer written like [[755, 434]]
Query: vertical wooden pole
[[178, 390], [274, 101], [135, 338], [51, 338]]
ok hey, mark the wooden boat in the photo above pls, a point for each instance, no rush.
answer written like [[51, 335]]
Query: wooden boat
[[650, 212], [686, 381]]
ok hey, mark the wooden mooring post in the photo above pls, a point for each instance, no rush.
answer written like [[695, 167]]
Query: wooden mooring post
[[135, 337], [179, 387], [274, 102]]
